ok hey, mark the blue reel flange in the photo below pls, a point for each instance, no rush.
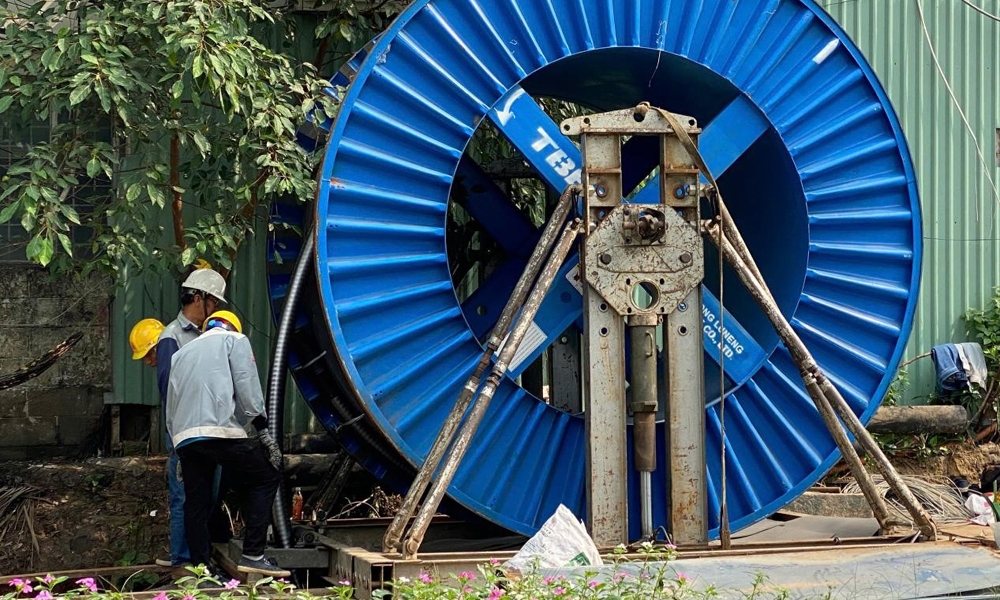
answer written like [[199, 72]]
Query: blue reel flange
[[807, 151]]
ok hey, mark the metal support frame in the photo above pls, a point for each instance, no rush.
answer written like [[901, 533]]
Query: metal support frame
[[507, 345], [643, 263], [828, 400]]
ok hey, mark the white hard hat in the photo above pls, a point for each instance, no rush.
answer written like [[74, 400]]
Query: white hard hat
[[208, 281]]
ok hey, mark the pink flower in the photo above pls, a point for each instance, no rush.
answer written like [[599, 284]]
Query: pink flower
[[548, 579], [26, 588], [682, 577], [44, 595], [619, 577], [344, 582], [48, 579], [558, 591], [467, 590], [425, 577], [15, 582], [494, 562], [188, 597], [87, 582], [232, 584], [466, 576], [160, 596], [592, 584], [495, 594]]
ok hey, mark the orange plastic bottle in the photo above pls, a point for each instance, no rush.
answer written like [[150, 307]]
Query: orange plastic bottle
[[297, 504]]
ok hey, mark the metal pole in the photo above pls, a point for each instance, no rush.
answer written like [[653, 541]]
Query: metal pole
[[642, 387], [686, 424], [416, 535], [394, 534], [830, 399]]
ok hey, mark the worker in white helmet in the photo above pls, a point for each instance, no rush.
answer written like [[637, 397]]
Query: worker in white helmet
[[215, 417], [201, 294]]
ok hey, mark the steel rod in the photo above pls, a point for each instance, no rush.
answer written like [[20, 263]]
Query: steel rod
[[829, 397], [920, 517], [646, 498], [394, 534], [411, 545]]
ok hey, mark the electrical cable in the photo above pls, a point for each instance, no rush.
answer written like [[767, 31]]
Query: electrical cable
[[980, 10], [961, 112]]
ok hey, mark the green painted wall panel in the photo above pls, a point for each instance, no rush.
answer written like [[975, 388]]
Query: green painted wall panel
[[961, 212]]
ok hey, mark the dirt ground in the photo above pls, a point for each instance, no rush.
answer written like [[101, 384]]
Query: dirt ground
[[94, 513], [108, 512], [963, 459]]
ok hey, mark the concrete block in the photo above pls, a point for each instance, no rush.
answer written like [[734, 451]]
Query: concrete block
[[41, 285], [830, 505], [14, 341], [29, 431], [17, 311], [58, 402], [13, 402], [35, 452], [76, 429], [14, 280]]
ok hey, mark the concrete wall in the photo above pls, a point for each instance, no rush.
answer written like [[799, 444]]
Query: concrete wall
[[55, 413]]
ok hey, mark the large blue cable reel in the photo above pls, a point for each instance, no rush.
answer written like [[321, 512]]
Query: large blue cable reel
[[808, 154]]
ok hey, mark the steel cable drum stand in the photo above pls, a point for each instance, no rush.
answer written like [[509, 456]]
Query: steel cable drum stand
[[809, 156], [643, 265]]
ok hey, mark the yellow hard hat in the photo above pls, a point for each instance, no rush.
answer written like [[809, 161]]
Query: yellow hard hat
[[222, 315], [144, 336]]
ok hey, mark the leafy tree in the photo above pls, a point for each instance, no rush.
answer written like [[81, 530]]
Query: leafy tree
[[201, 113]]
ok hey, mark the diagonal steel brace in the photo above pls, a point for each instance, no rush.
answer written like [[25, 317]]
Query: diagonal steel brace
[[393, 540]]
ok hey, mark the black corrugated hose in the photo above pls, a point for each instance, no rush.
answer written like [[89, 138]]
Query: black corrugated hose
[[276, 381]]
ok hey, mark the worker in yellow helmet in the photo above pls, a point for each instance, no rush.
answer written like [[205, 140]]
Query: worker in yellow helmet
[[215, 417], [143, 339]]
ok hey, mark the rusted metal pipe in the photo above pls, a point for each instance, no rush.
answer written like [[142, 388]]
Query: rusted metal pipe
[[642, 387], [411, 545], [828, 398], [394, 534]]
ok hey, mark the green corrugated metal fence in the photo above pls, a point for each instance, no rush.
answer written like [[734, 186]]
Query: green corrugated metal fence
[[961, 213]]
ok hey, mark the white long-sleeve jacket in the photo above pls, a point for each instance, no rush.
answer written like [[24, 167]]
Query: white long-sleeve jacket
[[214, 389]]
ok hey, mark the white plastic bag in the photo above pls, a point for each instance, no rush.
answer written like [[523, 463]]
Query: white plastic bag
[[562, 541], [981, 510]]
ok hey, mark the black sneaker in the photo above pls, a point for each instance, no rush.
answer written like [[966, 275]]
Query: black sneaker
[[265, 566]]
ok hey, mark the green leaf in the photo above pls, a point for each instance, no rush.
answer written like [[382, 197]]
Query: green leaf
[[5, 103], [47, 58], [93, 167], [40, 250], [202, 142], [79, 94], [178, 88], [133, 192], [197, 66], [70, 213], [89, 58], [8, 211], [66, 243], [345, 31], [156, 194], [188, 256]]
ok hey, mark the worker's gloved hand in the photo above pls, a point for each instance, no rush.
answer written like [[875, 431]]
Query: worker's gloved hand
[[273, 452]]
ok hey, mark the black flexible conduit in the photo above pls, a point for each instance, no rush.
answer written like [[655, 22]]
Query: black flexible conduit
[[280, 518]]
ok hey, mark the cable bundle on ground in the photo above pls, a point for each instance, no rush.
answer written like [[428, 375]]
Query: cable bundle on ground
[[938, 495]]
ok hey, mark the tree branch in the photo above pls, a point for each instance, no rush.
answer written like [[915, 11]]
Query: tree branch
[[177, 206]]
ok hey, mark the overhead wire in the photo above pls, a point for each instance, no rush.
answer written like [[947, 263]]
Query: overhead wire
[[980, 10]]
